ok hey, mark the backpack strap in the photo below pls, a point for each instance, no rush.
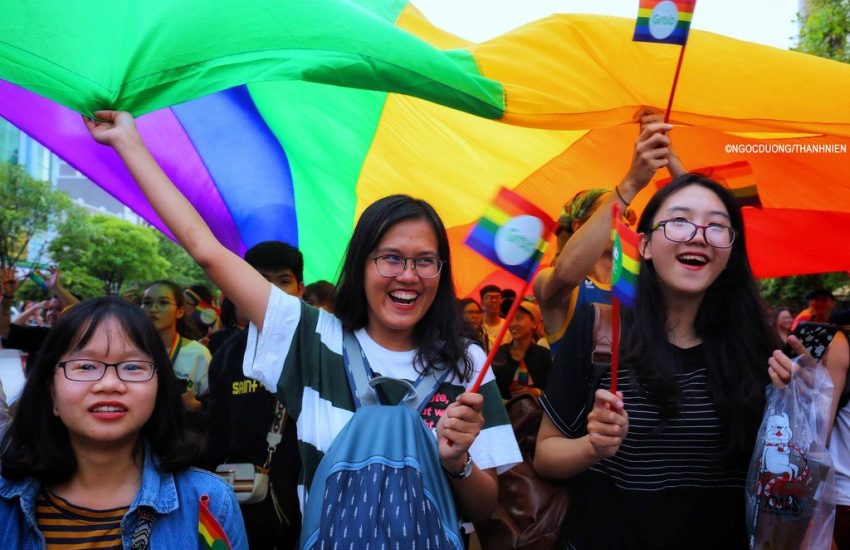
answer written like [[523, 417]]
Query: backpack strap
[[363, 382], [359, 373]]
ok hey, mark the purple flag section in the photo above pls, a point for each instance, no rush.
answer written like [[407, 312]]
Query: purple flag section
[[62, 131]]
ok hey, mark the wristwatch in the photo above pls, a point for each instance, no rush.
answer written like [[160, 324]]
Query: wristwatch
[[465, 472]]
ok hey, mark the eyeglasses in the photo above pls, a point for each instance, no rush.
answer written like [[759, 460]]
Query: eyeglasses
[[391, 265], [161, 305], [89, 370], [680, 230]]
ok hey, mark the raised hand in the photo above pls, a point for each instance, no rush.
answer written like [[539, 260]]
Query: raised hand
[[112, 127]]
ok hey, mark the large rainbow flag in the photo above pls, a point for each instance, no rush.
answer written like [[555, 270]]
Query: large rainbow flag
[[284, 120]]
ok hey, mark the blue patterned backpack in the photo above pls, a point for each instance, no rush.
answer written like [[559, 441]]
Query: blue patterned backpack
[[380, 486]]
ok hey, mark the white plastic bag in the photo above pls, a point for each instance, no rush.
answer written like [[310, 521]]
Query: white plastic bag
[[790, 483]]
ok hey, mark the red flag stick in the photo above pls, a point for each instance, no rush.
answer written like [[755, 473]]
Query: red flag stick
[[675, 82], [615, 343], [501, 336]]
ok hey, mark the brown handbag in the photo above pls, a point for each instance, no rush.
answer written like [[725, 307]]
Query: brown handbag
[[531, 510]]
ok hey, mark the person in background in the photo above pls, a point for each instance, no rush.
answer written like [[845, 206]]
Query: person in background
[[200, 312], [491, 301], [98, 454], [231, 323], [781, 322], [821, 304], [473, 318], [320, 294], [242, 410], [25, 338], [162, 301], [581, 273], [522, 366]]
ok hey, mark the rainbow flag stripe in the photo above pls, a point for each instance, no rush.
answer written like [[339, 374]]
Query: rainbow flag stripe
[[506, 207], [626, 264], [679, 35], [738, 177], [211, 535]]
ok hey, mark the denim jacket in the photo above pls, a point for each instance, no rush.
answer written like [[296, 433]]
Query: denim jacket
[[174, 498]]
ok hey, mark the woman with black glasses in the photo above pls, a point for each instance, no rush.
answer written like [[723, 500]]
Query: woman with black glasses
[[662, 463], [98, 455]]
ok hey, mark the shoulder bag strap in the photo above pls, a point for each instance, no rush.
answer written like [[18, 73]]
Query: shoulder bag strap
[[275, 434]]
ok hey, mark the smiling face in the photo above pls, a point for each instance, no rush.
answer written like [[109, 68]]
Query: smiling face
[[687, 268], [160, 305], [108, 411], [523, 325], [397, 304], [784, 320]]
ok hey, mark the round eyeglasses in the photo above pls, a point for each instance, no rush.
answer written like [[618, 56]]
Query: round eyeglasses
[[89, 370], [391, 265], [680, 230]]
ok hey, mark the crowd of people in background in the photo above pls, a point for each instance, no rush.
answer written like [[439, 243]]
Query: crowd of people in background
[[257, 367]]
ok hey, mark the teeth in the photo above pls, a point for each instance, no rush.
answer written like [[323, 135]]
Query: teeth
[[693, 258], [408, 295], [108, 409]]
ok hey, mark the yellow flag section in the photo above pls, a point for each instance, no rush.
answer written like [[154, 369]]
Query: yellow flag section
[[573, 85]]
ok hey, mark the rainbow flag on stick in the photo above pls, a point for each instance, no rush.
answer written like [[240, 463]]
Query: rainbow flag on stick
[[664, 21], [738, 177], [625, 259], [513, 234], [211, 535]]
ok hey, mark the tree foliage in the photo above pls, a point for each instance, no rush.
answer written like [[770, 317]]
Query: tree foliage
[[183, 271], [109, 249], [825, 29], [28, 207]]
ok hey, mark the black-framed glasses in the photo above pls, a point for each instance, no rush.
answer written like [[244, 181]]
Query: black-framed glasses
[[680, 230], [391, 265], [89, 370]]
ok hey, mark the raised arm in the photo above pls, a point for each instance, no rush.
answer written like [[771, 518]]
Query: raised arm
[[54, 283], [238, 280], [588, 243], [27, 314]]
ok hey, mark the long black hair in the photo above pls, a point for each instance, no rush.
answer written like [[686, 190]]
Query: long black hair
[[439, 333], [37, 444], [731, 321]]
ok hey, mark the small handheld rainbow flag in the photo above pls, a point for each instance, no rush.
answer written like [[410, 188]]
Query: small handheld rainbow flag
[[512, 233], [664, 21], [738, 177], [626, 261], [211, 535]]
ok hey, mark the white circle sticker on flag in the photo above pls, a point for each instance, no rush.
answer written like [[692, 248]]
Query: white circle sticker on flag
[[663, 21], [516, 241]]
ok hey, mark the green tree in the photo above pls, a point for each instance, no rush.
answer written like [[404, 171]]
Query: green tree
[[108, 249], [825, 29], [28, 207]]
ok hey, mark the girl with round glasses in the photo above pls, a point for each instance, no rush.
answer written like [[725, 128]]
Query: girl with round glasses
[[662, 463], [395, 294], [98, 453]]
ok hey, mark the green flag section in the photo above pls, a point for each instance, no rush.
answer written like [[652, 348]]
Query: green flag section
[[141, 56]]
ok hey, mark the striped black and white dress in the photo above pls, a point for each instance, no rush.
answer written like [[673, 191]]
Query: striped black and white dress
[[670, 484]]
